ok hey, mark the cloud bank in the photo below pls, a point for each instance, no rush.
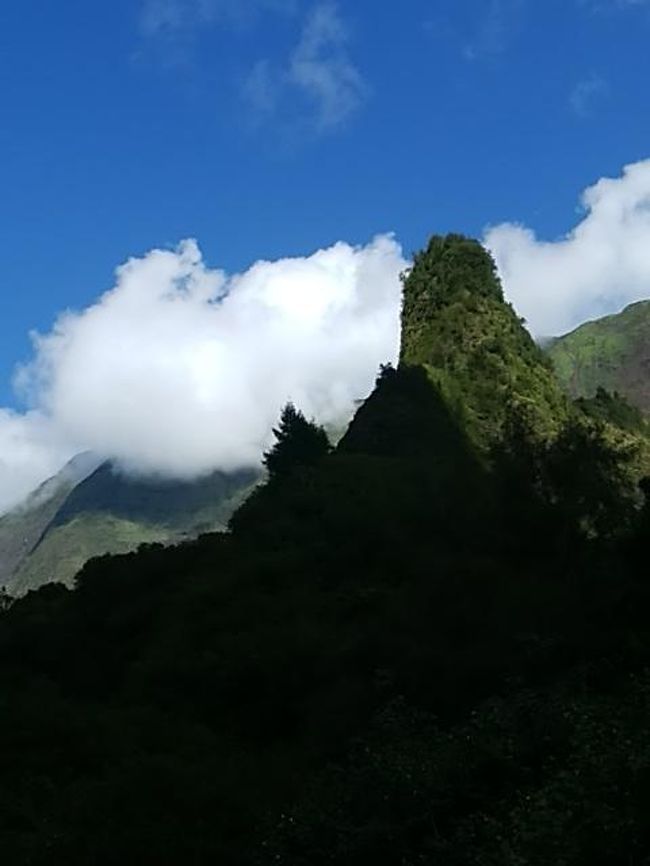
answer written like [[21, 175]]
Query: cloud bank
[[180, 369], [602, 265]]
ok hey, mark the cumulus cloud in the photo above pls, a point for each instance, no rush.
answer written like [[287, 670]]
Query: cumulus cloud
[[602, 265], [180, 369], [318, 73]]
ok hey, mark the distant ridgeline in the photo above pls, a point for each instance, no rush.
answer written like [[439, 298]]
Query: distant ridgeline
[[429, 643], [89, 510], [611, 353]]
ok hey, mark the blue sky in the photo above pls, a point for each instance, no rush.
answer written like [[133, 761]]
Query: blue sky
[[271, 128]]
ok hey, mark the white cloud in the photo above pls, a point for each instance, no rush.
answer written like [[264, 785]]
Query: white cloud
[[320, 67], [180, 369], [313, 89], [318, 73], [599, 267]]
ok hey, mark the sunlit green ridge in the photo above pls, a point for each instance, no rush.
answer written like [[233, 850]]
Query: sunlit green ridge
[[612, 353]]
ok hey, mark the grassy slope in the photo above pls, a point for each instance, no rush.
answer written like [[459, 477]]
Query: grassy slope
[[22, 528], [66, 548], [613, 353], [110, 514]]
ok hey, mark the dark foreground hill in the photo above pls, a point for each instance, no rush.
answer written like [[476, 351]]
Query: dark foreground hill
[[89, 509], [422, 647]]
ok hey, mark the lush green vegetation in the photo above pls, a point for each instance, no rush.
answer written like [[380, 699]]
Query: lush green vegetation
[[612, 408], [419, 647], [456, 324], [611, 353]]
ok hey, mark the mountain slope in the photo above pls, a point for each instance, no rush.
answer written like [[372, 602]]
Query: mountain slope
[[74, 517], [22, 529], [611, 353], [66, 548]]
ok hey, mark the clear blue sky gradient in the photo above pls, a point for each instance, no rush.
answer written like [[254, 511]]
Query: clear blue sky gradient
[[474, 112]]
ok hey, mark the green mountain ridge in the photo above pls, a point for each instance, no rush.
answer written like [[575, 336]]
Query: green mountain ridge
[[78, 515], [611, 353]]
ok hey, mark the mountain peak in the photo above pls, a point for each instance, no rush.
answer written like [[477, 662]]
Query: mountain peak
[[457, 325]]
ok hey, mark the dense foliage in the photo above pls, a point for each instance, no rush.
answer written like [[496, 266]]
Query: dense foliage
[[415, 648]]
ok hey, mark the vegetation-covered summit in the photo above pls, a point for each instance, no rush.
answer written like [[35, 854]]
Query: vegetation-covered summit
[[456, 324]]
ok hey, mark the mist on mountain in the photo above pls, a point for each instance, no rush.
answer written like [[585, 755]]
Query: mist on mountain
[[180, 370]]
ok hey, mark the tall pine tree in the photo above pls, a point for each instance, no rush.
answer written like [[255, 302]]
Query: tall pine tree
[[299, 442]]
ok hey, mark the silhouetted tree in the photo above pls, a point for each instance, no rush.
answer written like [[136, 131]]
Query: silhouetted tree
[[299, 442]]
